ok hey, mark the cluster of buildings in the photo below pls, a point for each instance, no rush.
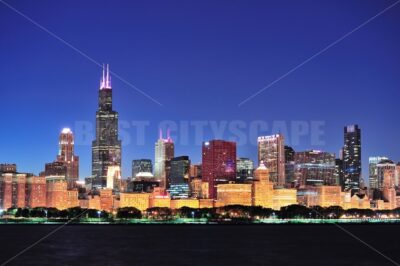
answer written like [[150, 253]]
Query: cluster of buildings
[[281, 177]]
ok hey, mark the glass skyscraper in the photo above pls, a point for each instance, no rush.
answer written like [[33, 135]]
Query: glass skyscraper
[[352, 158], [271, 152], [218, 164], [106, 148], [164, 152], [141, 166]]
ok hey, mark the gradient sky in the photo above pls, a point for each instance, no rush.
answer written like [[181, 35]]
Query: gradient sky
[[200, 59]]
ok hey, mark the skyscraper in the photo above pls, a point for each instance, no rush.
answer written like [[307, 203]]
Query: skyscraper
[[218, 164], [66, 163], [67, 156], [271, 151], [373, 171], [315, 168], [289, 166], [352, 158], [244, 169], [164, 152], [141, 166], [179, 172], [106, 148], [386, 171]]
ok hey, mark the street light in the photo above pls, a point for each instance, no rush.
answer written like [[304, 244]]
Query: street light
[[98, 214]]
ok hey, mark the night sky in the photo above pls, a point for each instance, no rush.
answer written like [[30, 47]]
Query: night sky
[[199, 59]]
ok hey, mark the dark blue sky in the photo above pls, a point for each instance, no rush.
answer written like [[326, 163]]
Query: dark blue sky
[[200, 59]]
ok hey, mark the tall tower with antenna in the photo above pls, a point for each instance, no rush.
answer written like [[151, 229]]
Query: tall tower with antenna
[[164, 152], [106, 148]]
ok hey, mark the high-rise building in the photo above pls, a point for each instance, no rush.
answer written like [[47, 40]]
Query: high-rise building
[[179, 170], [66, 163], [373, 170], [164, 152], [271, 151], [244, 169], [339, 173], [386, 172], [352, 158], [315, 168], [67, 156], [195, 171], [290, 180], [218, 164], [141, 166], [55, 169], [106, 148], [114, 178]]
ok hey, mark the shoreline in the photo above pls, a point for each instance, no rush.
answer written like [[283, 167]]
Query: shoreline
[[201, 222]]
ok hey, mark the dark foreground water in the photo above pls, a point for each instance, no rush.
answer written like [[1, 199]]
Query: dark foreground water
[[200, 245]]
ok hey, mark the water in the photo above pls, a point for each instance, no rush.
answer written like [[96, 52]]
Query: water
[[200, 245]]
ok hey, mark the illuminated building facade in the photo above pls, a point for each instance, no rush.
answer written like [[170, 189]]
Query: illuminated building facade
[[290, 164], [179, 170], [329, 196], [160, 198], [271, 151], [234, 194], [195, 171], [179, 191], [352, 158], [141, 166], [106, 199], [106, 148], [315, 168], [12, 190], [140, 201], [72, 198], [284, 197], [114, 177], [8, 168], [386, 172], [57, 195], [244, 169], [195, 187], [339, 173], [67, 156], [55, 169], [218, 164], [373, 171], [263, 190], [36, 190], [179, 203], [164, 152]]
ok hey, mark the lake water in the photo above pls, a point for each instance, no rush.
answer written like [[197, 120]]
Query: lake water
[[200, 245]]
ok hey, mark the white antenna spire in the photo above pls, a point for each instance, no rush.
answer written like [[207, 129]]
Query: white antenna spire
[[105, 81], [108, 81]]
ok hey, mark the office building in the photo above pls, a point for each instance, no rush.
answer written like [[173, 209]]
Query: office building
[[271, 151], [218, 164], [106, 148], [352, 158]]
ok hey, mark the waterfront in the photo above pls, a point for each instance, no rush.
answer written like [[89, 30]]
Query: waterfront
[[200, 244]]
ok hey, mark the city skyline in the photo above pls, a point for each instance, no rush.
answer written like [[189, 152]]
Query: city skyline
[[70, 78]]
